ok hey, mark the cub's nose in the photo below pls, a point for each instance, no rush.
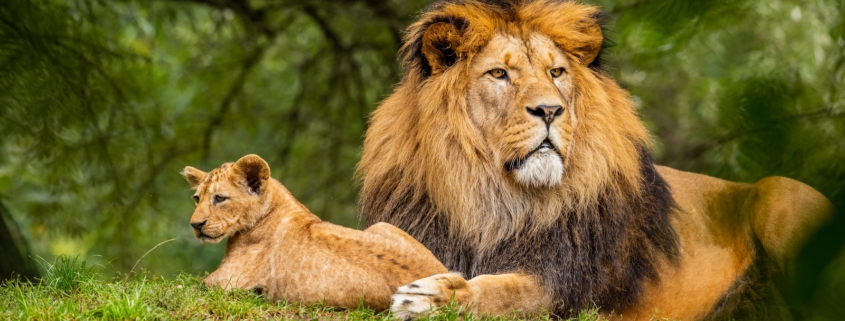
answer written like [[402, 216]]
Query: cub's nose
[[198, 225]]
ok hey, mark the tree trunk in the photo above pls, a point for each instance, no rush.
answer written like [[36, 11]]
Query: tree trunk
[[15, 261]]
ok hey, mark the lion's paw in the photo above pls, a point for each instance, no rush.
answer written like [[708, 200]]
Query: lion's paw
[[424, 296], [411, 306]]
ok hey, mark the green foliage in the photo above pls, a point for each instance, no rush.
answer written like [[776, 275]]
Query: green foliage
[[105, 102]]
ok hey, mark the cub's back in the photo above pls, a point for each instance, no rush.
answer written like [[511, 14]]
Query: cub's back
[[339, 264]]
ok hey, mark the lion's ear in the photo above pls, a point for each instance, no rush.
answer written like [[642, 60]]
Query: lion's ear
[[251, 171], [433, 43], [193, 176], [574, 27], [592, 39], [439, 45]]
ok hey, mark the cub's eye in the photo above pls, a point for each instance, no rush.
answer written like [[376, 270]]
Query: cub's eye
[[219, 198], [556, 72], [498, 73], [196, 199]]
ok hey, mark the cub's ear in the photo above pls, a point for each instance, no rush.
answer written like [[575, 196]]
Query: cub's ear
[[433, 45], [252, 172], [193, 176]]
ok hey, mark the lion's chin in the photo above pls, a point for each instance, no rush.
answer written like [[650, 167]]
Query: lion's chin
[[542, 169]]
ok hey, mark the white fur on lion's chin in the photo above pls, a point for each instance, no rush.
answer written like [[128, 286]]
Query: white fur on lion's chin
[[542, 169]]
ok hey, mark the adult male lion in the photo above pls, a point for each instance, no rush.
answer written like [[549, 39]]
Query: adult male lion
[[519, 163]]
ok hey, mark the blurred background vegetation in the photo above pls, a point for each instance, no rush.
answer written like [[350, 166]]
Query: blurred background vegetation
[[103, 102]]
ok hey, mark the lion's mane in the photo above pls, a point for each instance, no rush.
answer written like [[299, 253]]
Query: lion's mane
[[593, 240]]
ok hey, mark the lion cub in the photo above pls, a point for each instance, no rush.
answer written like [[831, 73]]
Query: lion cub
[[278, 248]]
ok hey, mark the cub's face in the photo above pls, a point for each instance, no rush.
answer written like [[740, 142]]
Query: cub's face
[[519, 98], [228, 198]]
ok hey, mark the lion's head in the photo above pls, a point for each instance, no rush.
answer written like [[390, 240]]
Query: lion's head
[[502, 108], [229, 198], [507, 147]]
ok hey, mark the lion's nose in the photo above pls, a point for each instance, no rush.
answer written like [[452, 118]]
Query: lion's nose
[[198, 225], [547, 113]]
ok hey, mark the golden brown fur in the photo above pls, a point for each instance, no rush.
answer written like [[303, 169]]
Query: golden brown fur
[[448, 158], [278, 248]]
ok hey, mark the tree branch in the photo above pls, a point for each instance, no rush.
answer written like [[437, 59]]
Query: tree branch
[[254, 17], [234, 91], [328, 33]]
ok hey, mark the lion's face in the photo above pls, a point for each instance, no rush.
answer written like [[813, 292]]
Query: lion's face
[[228, 198], [519, 98]]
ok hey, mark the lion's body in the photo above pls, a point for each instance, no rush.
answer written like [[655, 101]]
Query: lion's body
[[509, 153], [735, 239], [284, 251]]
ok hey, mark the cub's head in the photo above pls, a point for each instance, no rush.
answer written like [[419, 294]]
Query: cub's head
[[229, 198]]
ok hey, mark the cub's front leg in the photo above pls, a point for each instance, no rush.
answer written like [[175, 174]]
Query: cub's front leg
[[223, 280], [498, 294], [228, 278]]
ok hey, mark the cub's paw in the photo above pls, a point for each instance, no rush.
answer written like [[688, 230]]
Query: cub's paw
[[423, 296]]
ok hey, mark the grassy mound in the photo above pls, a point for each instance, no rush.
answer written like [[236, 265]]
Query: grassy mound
[[72, 290]]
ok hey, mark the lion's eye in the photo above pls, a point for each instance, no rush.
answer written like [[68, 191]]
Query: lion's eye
[[498, 73], [219, 198], [196, 199], [556, 72]]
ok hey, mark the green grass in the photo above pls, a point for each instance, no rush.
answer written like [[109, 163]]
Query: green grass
[[72, 290]]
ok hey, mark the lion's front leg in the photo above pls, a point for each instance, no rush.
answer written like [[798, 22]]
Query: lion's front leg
[[499, 294]]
